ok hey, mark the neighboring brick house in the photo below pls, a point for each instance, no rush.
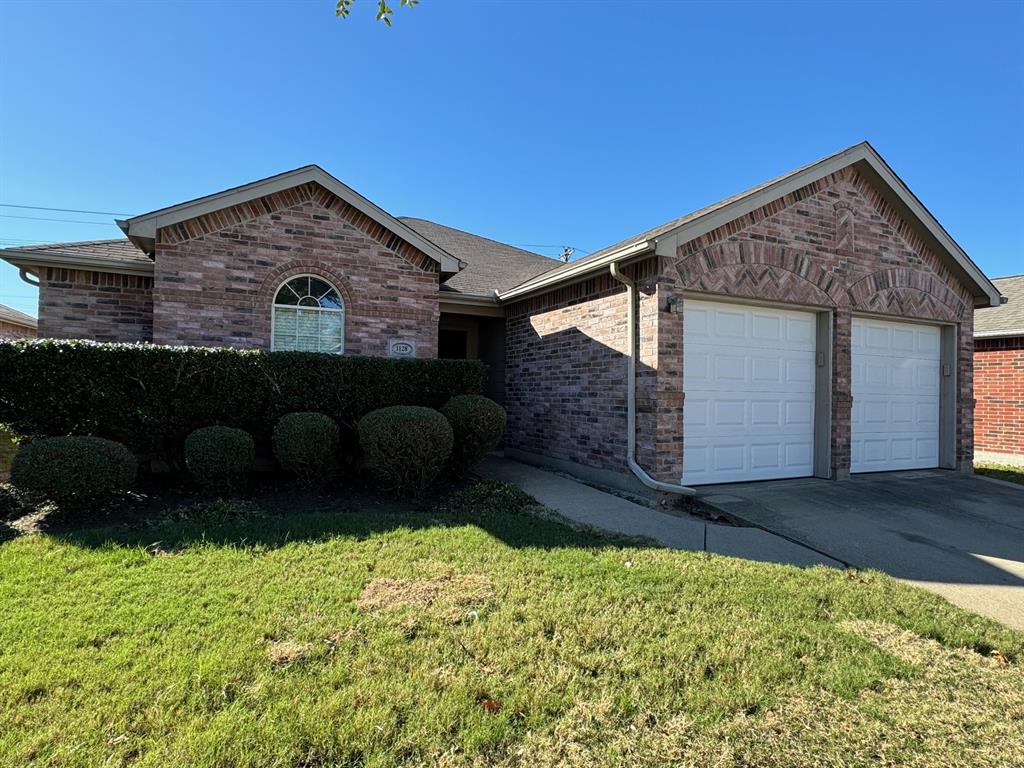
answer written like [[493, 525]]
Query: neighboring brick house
[[818, 324], [999, 377], [15, 324]]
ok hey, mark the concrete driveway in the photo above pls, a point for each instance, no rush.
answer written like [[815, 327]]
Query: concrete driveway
[[960, 536]]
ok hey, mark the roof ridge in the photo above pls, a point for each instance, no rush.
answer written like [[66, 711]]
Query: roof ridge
[[70, 242], [474, 234]]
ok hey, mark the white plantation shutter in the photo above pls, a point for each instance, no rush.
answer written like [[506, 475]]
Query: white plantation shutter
[[308, 316]]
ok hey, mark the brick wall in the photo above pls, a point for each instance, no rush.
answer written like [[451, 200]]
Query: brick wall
[[216, 275], [103, 306], [833, 244], [15, 331], [999, 394], [565, 374]]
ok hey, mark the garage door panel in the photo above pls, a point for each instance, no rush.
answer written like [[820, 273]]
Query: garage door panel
[[895, 386], [749, 381]]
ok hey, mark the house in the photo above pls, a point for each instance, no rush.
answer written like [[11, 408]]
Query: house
[[999, 377], [816, 325], [15, 324]]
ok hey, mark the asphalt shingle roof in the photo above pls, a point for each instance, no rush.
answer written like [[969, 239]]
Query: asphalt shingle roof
[[1005, 320], [490, 265], [120, 249], [11, 315]]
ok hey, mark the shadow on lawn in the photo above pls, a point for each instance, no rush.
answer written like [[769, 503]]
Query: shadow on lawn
[[279, 518]]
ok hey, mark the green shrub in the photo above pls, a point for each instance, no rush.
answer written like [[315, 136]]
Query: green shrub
[[478, 425], [305, 444], [405, 447], [151, 397], [73, 471], [220, 458]]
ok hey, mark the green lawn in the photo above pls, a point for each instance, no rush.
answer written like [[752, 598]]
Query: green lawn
[[1001, 472], [299, 632]]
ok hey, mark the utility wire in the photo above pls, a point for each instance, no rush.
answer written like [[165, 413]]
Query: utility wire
[[62, 210], [66, 221]]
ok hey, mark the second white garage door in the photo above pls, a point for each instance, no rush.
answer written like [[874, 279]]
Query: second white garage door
[[748, 373], [895, 386]]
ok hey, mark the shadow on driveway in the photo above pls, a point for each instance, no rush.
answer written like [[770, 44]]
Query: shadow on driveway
[[958, 535]]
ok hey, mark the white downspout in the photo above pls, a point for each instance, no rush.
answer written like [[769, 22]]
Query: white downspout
[[631, 356]]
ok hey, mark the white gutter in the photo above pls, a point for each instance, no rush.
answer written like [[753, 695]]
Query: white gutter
[[577, 269], [631, 356]]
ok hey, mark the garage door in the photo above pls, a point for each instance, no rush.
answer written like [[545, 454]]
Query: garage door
[[895, 386], [748, 373]]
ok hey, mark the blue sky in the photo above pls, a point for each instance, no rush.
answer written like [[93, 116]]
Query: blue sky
[[536, 123]]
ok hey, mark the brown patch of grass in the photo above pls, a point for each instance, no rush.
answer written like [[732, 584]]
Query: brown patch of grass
[[961, 709], [450, 590], [284, 653]]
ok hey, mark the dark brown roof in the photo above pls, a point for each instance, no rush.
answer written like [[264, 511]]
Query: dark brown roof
[[120, 249], [11, 315], [490, 265], [1005, 320]]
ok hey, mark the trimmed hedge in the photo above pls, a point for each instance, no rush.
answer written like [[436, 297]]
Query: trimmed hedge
[[405, 447], [305, 445], [150, 397], [478, 424], [73, 471], [220, 458]]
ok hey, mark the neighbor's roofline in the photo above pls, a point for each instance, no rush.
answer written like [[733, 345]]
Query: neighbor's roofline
[[32, 260], [142, 229], [664, 244], [1006, 333]]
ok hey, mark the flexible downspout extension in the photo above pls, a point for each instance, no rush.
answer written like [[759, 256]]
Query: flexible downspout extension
[[631, 356]]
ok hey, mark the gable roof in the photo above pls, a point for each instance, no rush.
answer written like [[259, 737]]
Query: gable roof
[[1005, 320], [11, 315], [490, 266], [142, 229], [664, 239], [119, 255]]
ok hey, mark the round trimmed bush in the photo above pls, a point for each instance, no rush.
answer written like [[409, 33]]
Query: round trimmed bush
[[405, 446], [220, 458], [478, 424], [305, 444], [73, 471]]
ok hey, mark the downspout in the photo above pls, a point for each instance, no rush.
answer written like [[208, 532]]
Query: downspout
[[631, 356]]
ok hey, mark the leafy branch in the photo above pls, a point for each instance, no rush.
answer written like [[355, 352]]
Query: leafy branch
[[384, 11]]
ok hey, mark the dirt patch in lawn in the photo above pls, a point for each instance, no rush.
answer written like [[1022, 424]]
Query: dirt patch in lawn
[[451, 590], [287, 652]]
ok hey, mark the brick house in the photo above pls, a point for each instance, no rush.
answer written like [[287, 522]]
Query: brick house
[[15, 324], [999, 377], [816, 325]]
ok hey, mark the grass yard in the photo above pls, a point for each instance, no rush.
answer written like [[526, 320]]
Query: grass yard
[[1001, 472], [470, 632]]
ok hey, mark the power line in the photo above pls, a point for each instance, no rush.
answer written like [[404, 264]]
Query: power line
[[66, 221], [547, 245], [62, 210]]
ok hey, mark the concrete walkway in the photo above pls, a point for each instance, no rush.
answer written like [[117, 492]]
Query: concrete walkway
[[588, 506]]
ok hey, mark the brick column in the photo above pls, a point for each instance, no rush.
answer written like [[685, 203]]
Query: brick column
[[660, 378], [842, 400]]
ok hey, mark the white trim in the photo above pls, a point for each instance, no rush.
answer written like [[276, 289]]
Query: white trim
[[1006, 334], [274, 306], [142, 229], [577, 271]]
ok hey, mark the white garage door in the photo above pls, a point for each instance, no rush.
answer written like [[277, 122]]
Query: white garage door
[[748, 373], [895, 386]]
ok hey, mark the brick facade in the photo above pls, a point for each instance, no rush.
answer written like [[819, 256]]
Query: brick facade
[[216, 275], [999, 392], [102, 306], [835, 244]]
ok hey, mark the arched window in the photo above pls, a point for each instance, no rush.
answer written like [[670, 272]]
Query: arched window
[[308, 316]]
